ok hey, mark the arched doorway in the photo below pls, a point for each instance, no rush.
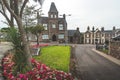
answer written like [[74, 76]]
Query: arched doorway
[[54, 38]]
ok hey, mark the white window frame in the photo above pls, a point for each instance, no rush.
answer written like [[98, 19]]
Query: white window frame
[[87, 35], [55, 16], [53, 26], [45, 36], [45, 26], [61, 27], [61, 36], [51, 16], [87, 40]]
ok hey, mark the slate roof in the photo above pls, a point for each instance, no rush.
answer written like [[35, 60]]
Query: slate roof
[[108, 31], [53, 8], [45, 20], [71, 32]]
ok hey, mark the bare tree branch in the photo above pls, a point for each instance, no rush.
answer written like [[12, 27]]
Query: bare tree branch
[[23, 6], [9, 9]]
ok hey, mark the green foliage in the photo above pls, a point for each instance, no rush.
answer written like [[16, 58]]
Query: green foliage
[[57, 57], [19, 58], [14, 37], [4, 29], [104, 51], [37, 30], [21, 62]]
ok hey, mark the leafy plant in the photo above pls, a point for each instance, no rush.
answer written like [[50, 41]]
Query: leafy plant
[[20, 59], [36, 30], [38, 72]]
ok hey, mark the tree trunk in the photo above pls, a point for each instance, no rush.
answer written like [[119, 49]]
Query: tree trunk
[[24, 41], [37, 39]]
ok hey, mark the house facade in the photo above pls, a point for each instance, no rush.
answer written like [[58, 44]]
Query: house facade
[[55, 27], [74, 36], [99, 36]]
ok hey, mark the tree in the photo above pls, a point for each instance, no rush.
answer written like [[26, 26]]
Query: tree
[[29, 15], [37, 30], [17, 13], [10, 19]]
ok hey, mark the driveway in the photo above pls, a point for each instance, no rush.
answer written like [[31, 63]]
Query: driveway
[[92, 66]]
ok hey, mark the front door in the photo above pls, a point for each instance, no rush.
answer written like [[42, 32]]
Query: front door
[[54, 38]]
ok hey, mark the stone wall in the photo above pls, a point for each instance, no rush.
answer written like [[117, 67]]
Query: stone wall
[[115, 49]]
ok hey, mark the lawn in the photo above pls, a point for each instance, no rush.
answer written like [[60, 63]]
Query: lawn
[[56, 57]]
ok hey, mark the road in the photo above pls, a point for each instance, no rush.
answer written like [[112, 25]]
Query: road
[[92, 66]]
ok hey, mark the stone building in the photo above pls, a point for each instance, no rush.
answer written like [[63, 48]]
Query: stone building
[[74, 36], [55, 27], [99, 36]]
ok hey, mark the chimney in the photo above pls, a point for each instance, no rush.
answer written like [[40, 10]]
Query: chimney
[[113, 27], [102, 29], [77, 28], [64, 16], [93, 29], [88, 28]]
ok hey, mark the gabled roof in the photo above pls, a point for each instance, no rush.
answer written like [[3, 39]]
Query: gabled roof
[[73, 33], [53, 8]]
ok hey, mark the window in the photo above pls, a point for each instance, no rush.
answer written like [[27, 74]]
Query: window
[[53, 26], [45, 36], [87, 35], [45, 26], [87, 40], [60, 26], [61, 36], [55, 16], [51, 15], [98, 35]]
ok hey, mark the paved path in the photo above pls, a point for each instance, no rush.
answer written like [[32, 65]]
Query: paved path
[[93, 66], [4, 47]]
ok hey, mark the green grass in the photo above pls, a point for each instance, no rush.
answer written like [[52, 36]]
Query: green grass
[[56, 57], [104, 51]]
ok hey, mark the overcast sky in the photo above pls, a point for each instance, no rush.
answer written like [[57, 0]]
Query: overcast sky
[[98, 13]]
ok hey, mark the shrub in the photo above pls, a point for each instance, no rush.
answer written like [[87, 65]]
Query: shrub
[[39, 71]]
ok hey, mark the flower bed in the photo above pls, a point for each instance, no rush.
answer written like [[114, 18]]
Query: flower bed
[[40, 45], [39, 71]]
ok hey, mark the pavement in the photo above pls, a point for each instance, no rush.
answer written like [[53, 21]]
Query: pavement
[[116, 61], [4, 47]]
